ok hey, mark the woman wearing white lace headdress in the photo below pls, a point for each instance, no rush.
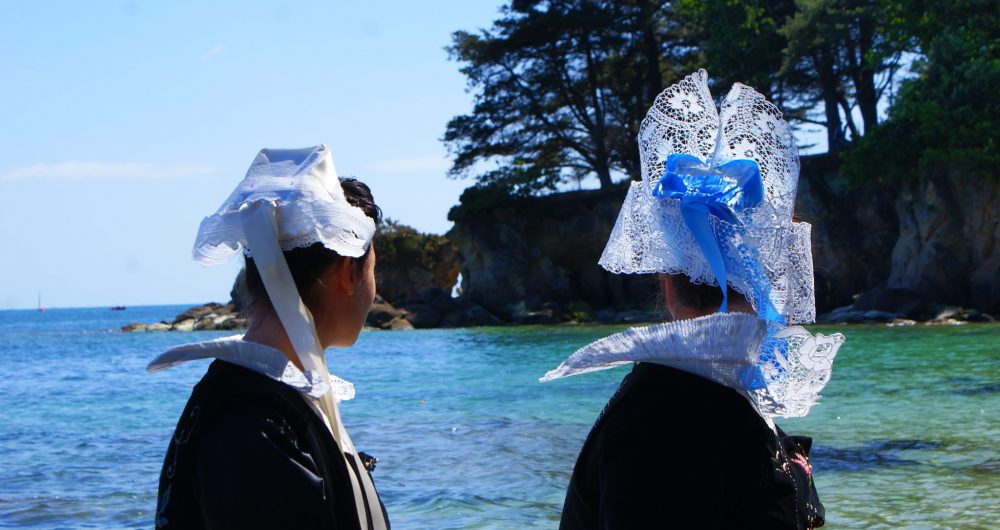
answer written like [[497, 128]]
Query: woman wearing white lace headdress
[[260, 443], [689, 440]]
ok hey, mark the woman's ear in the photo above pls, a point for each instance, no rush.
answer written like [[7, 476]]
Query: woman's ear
[[340, 275]]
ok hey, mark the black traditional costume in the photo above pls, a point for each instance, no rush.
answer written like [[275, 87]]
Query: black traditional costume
[[689, 440]]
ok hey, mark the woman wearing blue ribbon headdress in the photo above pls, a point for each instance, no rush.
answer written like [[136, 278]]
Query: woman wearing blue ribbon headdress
[[261, 443], [689, 439]]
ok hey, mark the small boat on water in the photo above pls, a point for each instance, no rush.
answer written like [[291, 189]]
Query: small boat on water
[[117, 308], [40, 308]]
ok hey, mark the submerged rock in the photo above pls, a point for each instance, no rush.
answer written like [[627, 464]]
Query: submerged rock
[[207, 317], [381, 314], [398, 323], [421, 315], [184, 325]]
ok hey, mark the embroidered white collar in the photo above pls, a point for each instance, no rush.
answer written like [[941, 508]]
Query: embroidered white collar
[[724, 348], [262, 359], [718, 347]]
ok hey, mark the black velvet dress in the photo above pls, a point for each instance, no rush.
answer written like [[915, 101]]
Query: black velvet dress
[[675, 450], [249, 452]]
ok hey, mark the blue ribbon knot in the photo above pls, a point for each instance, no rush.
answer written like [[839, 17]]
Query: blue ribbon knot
[[723, 191]]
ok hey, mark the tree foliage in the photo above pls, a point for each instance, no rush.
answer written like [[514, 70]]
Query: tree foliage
[[947, 116], [560, 88], [738, 40], [842, 55]]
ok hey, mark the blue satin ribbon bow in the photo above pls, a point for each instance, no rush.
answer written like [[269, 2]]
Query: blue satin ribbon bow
[[723, 191]]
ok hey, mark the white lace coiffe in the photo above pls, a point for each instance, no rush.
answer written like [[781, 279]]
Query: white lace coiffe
[[715, 204], [309, 202], [651, 236]]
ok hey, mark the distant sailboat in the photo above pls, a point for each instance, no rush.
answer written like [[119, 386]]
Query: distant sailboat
[[40, 308]]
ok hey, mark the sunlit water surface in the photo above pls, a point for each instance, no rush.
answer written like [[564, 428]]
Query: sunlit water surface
[[906, 436]]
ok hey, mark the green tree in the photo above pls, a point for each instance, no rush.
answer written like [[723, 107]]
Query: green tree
[[739, 40], [948, 115], [843, 55], [560, 88]]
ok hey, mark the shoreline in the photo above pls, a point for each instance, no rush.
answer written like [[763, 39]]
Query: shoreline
[[385, 316]]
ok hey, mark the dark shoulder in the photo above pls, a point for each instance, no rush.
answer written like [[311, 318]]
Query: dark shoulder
[[257, 462], [658, 400]]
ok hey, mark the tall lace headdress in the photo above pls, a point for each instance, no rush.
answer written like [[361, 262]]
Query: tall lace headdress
[[292, 198], [715, 203]]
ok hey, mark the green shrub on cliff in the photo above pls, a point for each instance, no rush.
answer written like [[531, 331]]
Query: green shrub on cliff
[[409, 262]]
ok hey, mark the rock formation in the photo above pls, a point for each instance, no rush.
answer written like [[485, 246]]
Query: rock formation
[[924, 250], [853, 231], [949, 240], [410, 262], [209, 317], [535, 258]]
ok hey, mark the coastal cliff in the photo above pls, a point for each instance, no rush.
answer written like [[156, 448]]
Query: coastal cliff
[[535, 258], [410, 262], [922, 250], [948, 247]]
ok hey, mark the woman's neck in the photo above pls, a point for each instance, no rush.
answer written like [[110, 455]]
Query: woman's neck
[[267, 330]]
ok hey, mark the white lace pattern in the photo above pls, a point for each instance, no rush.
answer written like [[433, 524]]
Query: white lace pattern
[[650, 235], [310, 207], [724, 348]]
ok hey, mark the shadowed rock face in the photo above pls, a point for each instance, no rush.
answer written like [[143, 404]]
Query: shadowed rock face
[[529, 256], [935, 240], [409, 262], [853, 231], [911, 247], [949, 240]]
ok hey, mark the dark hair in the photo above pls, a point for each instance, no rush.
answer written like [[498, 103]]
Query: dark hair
[[307, 264], [703, 297]]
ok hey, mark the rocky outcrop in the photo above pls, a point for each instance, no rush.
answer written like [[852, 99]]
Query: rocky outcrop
[[901, 307], [410, 262], [383, 315], [854, 228], [535, 259], [949, 240], [936, 238], [208, 317], [433, 308], [924, 250]]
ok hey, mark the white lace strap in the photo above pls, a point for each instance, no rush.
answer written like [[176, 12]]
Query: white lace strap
[[260, 227]]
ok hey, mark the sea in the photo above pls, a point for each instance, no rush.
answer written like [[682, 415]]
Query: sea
[[907, 434]]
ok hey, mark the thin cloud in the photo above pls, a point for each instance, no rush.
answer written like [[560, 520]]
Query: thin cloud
[[212, 52], [92, 170], [411, 164]]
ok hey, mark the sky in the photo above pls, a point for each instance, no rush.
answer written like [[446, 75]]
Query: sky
[[125, 123]]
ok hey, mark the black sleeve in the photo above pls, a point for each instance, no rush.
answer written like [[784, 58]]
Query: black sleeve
[[252, 473], [693, 472], [649, 480]]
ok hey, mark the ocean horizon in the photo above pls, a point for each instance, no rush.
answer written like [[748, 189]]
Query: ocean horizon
[[905, 436]]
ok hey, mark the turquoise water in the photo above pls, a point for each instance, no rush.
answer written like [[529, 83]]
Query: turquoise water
[[906, 436]]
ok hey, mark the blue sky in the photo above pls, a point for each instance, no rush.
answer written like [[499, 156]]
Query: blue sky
[[127, 122]]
